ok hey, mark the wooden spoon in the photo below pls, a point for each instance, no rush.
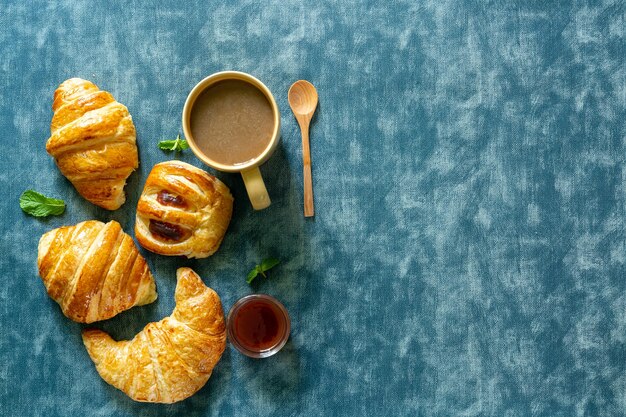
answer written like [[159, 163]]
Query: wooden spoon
[[303, 102]]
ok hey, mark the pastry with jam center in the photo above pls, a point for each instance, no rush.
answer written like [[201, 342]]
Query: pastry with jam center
[[182, 210]]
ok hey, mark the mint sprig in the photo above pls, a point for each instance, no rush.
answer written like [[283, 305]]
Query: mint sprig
[[175, 145], [262, 268], [38, 205]]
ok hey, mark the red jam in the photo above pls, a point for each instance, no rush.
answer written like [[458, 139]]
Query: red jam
[[258, 325], [168, 199], [166, 231]]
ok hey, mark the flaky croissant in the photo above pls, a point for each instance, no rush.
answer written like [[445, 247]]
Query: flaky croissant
[[172, 359], [182, 210], [93, 142], [94, 271]]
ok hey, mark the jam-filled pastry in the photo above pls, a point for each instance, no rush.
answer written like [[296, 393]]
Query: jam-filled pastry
[[182, 211], [94, 271], [172, 359], [93, 142]]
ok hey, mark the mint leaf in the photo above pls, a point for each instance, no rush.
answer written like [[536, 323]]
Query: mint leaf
[[269, 263], [167, 145], [175, 145], [252, 275], [38, 205], [266, 265], [181, 144]]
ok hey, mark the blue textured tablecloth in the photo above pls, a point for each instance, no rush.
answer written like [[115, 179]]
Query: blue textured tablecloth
[[467, 256]]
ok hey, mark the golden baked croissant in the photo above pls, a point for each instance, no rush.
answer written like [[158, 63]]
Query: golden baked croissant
[[172, 359], [93, 142], [182, 211], [94, 271]]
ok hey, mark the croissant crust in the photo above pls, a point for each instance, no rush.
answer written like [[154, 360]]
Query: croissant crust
[[93, 142], [182, 211], [94, 271], [169, 360]]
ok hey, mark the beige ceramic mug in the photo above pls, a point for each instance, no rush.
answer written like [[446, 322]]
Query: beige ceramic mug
[[249, 170]]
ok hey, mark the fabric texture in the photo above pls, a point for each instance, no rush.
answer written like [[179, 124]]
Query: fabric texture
[[468, 249]]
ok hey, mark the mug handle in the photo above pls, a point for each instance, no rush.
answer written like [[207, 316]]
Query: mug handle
[[255, 187]]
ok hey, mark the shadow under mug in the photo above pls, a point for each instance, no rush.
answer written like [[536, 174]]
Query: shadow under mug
[[250, 172]]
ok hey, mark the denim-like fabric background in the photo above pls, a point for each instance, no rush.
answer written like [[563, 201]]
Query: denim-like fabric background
[[467, 257]]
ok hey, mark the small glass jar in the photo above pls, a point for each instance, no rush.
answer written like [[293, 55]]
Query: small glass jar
[[258, 325]]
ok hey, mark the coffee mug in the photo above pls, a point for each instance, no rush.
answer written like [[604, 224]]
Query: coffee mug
[[250, 169]]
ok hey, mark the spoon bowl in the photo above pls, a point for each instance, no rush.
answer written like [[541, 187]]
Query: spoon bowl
[[302, 98]]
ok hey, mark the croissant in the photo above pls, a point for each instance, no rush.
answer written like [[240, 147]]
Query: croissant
[[94, 271], [93, 142], [172, 359], [182, 211]]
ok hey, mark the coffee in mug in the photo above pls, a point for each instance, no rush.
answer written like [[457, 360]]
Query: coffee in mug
[[232, 124]]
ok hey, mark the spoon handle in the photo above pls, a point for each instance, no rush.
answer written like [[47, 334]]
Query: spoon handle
[[308, 179]]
